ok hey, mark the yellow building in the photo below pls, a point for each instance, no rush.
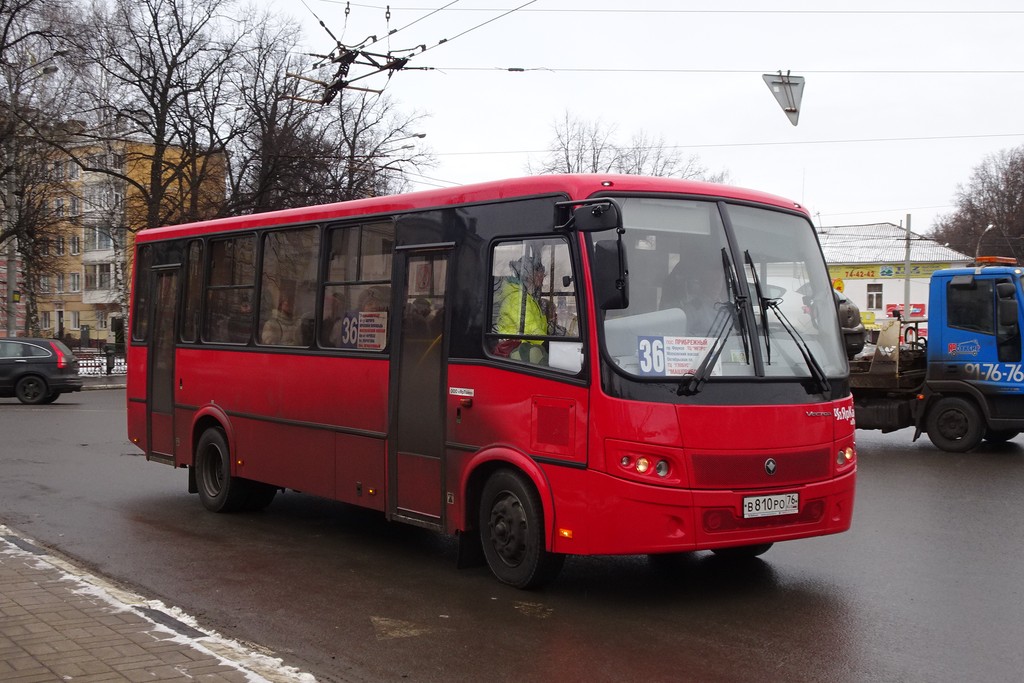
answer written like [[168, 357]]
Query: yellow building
[[86, 292]]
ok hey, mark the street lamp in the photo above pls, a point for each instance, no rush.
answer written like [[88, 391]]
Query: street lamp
[[977, 249]]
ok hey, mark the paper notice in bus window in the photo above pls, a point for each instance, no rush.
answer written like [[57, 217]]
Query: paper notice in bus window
[[373, 331], [671, 356]]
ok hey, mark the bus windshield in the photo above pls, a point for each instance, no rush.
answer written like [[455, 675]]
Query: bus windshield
[[723, 290]]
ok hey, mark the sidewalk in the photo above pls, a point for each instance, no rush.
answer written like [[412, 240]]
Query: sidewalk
[[60, 623], [103, 382]]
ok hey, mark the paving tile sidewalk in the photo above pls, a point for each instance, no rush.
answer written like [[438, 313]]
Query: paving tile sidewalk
[[60, 623]]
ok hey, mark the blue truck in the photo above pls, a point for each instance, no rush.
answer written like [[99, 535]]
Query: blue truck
[[964, 382]]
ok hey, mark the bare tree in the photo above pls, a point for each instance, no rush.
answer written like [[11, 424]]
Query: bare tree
[[589, 147], [30, 101], [580, 147], [154, 74], [993, 196]]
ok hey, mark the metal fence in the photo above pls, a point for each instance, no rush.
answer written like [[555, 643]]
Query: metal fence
[[94, 366]]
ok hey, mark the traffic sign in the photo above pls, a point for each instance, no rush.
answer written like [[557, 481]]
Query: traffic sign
[[788, 90]]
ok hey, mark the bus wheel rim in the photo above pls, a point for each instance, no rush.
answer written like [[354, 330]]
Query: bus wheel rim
[[508, 529]]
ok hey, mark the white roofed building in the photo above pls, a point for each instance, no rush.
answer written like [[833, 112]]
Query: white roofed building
[[868, 264]]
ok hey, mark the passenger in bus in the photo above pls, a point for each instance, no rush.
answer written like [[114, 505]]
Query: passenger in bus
[[282, 328], [520, 312], [418, 320], [696, 286]]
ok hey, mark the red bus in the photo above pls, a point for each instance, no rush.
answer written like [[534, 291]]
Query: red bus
[[543, 366]]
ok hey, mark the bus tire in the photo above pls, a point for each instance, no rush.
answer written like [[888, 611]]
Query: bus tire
[[742, 552], [954, 424], [218, 490], [512, 532]]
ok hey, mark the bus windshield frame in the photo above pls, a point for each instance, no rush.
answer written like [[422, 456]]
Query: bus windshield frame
[[743, 287]]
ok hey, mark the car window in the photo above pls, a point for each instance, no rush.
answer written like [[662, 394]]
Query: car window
[[9, 349], [34, 351]]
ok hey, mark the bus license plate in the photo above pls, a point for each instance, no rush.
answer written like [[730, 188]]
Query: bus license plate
[[769, 506]]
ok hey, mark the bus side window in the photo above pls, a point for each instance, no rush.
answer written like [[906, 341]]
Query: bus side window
[[533, 302]]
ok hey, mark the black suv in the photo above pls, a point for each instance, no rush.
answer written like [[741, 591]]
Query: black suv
[[37, 370]]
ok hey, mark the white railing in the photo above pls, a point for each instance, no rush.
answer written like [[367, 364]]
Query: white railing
[[94, 366]]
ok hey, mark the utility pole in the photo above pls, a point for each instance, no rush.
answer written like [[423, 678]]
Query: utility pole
[[906, 274]]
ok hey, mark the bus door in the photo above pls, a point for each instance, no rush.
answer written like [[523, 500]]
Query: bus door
[[416, 452], [160, 403]]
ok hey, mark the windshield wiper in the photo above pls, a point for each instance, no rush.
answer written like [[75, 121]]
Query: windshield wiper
[[812, 363], [762, 305], [722, 326]]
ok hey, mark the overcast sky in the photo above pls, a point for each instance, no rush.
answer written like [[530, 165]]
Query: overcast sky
[[903, 98]]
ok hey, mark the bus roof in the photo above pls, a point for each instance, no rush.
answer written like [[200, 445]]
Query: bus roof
[[579, 186]]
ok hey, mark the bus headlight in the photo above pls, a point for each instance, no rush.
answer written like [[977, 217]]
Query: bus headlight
[[642, 465], [844, 456], [661, 469]]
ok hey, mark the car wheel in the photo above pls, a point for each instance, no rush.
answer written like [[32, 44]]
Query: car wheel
[[31, 390], [954, 424], [51, 397], [512, 532], [742, 552], [218, 490]]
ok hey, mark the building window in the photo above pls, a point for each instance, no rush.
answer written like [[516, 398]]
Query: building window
[[76, 245], [76, 281], [44, 320], [76, 207], [75, 320], [58, 207], [97, 239], [97, 276], [44, 284], [101, 320], [874, 297], [60, 282], [60, 246]]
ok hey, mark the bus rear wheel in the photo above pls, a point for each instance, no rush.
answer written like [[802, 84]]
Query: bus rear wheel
[[954, 424], [512, 532], [218, 490]]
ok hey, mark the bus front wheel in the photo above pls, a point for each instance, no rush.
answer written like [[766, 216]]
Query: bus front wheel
[[218, 490], [512, 532], [954, 424]]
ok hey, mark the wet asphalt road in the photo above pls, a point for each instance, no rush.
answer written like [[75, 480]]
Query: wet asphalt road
[[928, 586]]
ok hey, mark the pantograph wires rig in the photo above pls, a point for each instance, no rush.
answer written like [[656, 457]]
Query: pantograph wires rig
[[348, 56]]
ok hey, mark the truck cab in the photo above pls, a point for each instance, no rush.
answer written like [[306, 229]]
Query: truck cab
[[966, 384], [974, 386]]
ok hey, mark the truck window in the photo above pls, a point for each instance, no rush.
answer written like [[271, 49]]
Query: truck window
[[971, 308]]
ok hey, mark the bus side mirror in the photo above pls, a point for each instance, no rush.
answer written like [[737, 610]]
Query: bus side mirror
[[610, 275], [598, 217]]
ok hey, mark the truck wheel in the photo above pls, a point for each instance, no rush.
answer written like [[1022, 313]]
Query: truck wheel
[[512, 532], [954, 425]]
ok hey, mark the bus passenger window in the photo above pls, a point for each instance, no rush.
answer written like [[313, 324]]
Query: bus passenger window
[[357, 291], [288, 286]]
